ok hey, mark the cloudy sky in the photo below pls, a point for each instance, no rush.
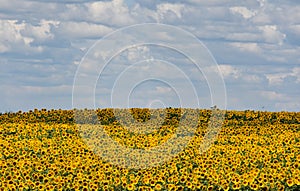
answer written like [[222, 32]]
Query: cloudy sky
[[255, 43]]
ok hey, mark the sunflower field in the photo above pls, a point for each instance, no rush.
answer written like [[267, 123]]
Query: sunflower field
[[254, 150]]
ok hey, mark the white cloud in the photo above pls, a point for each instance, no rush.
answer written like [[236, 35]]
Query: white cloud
[[143, 14], [249, 47], [10, 34], [82, 30], [229, 71], [40, 32], [246, 13], [277, 79], [164, 9], [272, 95], [111, 12], [272, 35], [238, 75], [138, 53], [12, 39], [296, 73], [162, 90]]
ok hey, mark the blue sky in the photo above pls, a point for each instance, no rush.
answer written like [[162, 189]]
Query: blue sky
[[256, 44]]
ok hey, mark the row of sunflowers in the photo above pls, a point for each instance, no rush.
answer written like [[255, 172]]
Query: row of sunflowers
[[68, 150]]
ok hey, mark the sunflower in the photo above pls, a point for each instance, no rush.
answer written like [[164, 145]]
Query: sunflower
[[158, 187], [254, 186], [290, 182], [170, 186], [297, 180], [225, 185], [130, 187], [144, 188], [245, 182]]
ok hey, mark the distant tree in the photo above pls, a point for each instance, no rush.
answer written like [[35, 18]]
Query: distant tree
[[214, 107]]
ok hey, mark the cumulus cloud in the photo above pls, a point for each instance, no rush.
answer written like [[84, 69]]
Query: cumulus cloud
[[246, 13], [250, 47], [113, 12], [12, 39], [235, 74], [85, 30], [40, 33], [169, 10], [278, 78], [229, 71], [160, 89], [138, 53], [272, 95], [272, 35]]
